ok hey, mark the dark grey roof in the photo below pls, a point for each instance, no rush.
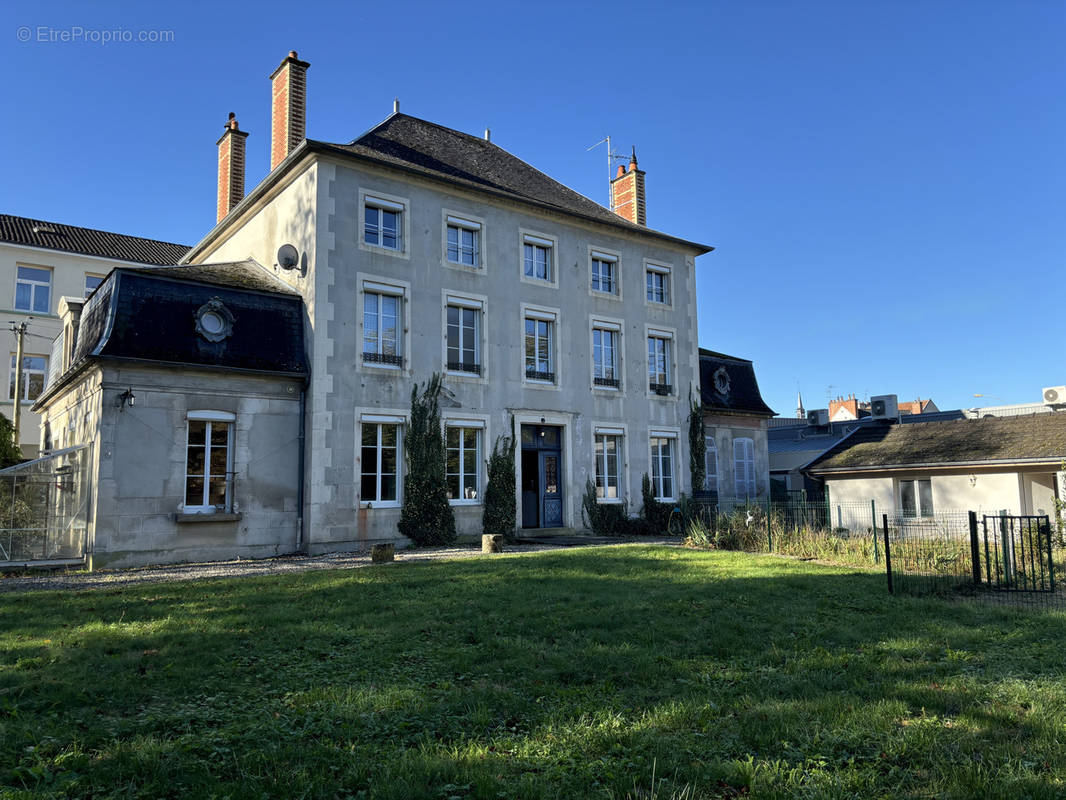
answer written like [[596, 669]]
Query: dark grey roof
[[416, 145], [741, 390], [88, 241], [248, 274], [965, 441], [150, 316]]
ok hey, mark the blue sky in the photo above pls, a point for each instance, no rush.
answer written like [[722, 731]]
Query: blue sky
[[884, 182]]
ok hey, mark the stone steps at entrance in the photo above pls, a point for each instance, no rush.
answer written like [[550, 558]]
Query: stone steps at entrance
[[566, 537]]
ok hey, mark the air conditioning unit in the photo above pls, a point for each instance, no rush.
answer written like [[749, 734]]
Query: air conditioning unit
[[884, 406], [1055, 396], [818, 416]]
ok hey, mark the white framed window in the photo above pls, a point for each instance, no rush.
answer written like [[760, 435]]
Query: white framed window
[[539, 339], [463, 462], [657, 284], [209, 462], [916, 497], [383, 325], [31, 383], [608, 457], [710, 464], [380, 461], [382, 223], [744, 468], [92, 281], [659, 365], [662, 466], [606, 349], [33, 289], [538, 257], [540, 361], [604, 269], [463, 335], [462, 241]]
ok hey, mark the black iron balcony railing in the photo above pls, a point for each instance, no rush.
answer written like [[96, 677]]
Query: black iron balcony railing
[[537, 375], [383, 358], [613, 383], [462, 366], [661, 388]]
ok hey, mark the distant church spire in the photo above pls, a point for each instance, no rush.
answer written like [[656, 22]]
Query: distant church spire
[[800, 413]]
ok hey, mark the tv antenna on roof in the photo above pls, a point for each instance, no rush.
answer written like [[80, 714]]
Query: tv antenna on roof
[[611, 158]]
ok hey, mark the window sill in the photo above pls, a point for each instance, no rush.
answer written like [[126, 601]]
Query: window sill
[[545, 282], [182, 518], [462, 503], [378, 248], [609, 501], [372, 505]]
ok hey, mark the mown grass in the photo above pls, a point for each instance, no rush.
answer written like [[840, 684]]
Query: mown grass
[[557, 675]]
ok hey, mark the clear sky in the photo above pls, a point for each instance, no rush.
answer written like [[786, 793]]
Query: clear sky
[[884, 182]]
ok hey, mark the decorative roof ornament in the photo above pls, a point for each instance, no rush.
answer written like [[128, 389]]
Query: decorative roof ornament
[[214, 321], [721, 381]]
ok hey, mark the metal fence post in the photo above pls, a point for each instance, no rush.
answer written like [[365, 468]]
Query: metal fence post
[[975, 550], [769, 532], [888, 554], [873, 523], [1050, 560]]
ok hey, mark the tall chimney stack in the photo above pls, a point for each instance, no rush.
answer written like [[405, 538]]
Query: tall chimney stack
[[288, 122], [230, 167], [627, 193]]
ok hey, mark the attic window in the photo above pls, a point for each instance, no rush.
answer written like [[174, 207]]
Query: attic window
[[214, 321], [721, 381]]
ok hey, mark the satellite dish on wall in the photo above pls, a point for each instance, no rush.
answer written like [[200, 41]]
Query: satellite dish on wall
[[288, 257]]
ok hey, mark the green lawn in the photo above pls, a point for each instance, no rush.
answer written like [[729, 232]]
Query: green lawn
[[561, 674]]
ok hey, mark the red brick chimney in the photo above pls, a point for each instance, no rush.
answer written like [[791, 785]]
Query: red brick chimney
[[288, 122], [230, 167], [627, 193]]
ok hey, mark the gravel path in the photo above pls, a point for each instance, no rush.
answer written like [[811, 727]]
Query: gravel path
[[104, 579]]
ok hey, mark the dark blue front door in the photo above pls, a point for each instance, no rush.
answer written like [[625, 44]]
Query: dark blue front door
[[551, 489]]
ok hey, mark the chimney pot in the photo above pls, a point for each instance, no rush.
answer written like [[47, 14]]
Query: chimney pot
[[288, 123], [621, 171], [396, 105], [488, 135]]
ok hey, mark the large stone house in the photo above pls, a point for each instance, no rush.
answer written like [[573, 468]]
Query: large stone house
[[419, 249], [40, 263]]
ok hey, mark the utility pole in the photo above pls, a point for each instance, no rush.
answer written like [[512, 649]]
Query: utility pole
[[20, 335]]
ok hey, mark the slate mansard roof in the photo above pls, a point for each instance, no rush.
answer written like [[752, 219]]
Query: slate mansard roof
[[149, 316], [87, 241], [985, 441], [735, 391]]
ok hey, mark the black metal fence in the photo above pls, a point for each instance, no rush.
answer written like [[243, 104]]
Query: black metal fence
[[1004, 558]]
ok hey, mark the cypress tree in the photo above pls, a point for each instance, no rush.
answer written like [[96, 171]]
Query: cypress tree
[[426, 517]]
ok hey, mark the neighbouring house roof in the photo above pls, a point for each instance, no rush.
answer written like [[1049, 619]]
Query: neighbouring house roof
[[150, 316], [88, 241], [918, 406], [990, 440], [433, 151], [728, 385]]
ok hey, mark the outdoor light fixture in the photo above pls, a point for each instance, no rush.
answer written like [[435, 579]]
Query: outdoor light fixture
[[973, 480], [127, 398]]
